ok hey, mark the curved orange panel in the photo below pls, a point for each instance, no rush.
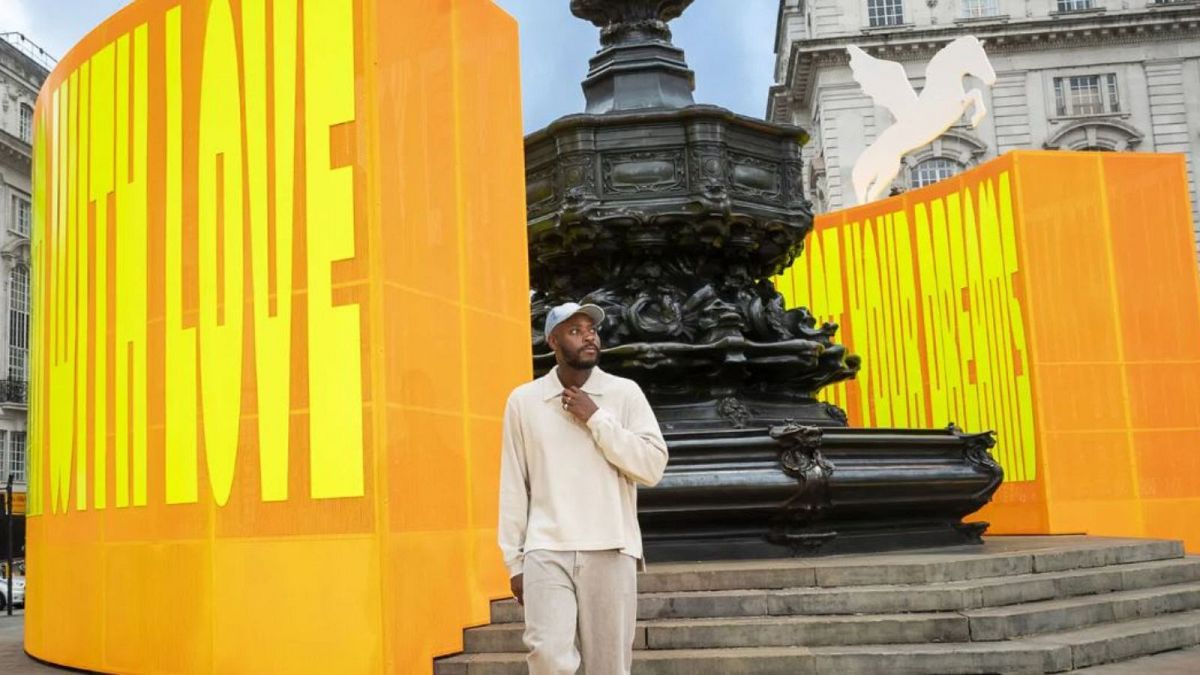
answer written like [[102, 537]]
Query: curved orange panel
[[1049, 296], [281, 293]]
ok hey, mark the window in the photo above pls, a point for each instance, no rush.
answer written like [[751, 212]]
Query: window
[[16, 456], [18, 324], [885, 12], [1086, 95], [1096, 133], [973, 9], [22, 214], [26, 128], [1073, 5], [932, 170]]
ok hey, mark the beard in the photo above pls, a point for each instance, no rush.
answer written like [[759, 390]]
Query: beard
[[582, 360]]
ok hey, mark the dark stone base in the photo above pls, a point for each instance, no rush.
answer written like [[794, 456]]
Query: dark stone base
[[741, 411], [860, 538], [805, 490]]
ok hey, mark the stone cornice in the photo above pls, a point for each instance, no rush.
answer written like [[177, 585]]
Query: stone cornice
[[1158, 22], [22, 68], [15, 152]]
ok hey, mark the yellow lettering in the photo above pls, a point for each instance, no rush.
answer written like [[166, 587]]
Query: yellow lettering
[[180, 450], [220, 247], [100, 186], [927, 295], [83, 411], [39, 318], [271, 235], [334, 345], [834, 307], [131, 280], [60, 424]]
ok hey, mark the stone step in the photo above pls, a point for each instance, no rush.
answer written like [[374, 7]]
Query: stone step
[[883, 599], [791, 631], [981, 625], [964, 595], [999, 558], [907, 659], [1028, 604], [1128, 639], [1036, 618], [972, 657], [1057, 652]]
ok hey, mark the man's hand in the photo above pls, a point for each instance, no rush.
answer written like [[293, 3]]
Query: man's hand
[[517, 584], [578, 403]]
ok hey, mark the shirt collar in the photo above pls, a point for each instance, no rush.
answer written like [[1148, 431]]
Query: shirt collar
[[595, 386]]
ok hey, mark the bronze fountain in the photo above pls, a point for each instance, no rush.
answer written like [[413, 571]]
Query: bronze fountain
[[674, 216]]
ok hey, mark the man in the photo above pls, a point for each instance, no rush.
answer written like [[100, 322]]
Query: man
[[575, 443]]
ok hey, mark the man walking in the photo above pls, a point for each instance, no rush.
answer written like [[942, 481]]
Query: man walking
[[575, 443]]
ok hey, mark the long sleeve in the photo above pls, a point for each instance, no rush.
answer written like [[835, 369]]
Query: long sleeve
[[637, 448], [514, 492]]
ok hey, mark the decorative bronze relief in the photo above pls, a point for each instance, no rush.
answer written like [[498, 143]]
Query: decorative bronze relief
[[641, 172], [755, 177], [539, 188]]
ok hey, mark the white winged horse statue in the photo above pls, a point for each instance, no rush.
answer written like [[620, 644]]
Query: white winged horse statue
[[919, 119]]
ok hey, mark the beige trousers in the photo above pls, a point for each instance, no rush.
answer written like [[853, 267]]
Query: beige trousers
[[580, 601]]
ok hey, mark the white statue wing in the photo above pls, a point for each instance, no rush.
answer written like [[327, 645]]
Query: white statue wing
[[884, 81]]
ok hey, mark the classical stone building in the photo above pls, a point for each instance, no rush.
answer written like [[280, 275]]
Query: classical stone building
[[1117, 75], [23, 68]]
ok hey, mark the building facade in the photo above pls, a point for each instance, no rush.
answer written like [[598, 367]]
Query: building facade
[[23, 68], [1112, 75]]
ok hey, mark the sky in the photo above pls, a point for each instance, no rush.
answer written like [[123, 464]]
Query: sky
[[728, 44]]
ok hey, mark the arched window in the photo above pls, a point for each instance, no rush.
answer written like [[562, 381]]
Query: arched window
[[949, 154], [932, 170], [1102, 134], [18, 324]]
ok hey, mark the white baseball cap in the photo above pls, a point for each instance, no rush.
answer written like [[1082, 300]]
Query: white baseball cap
[[561, 313]]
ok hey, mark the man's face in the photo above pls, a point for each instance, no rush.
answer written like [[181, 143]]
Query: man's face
[[575, 342]]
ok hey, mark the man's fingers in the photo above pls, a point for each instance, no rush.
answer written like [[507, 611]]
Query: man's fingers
[[517, 584]]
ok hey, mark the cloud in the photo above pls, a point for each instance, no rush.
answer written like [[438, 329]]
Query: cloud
[[14, 17]]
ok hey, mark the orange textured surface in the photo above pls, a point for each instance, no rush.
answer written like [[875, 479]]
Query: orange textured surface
[[346, 176], [1071, 274]]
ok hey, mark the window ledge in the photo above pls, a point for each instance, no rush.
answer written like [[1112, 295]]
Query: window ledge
[[884, 29], [1059, 119], [999, 18], [1072, 12], [1170, 4]]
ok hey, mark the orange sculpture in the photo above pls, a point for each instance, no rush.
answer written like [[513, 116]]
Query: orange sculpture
[[281, 295], [1050, 296]]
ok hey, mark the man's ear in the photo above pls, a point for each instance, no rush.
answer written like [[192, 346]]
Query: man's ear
[[552, 341]]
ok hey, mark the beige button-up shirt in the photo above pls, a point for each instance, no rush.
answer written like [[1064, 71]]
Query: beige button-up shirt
[[570, 486]]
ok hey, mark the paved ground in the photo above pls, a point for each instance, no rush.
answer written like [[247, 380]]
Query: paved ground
[[13, 660], [1182, 662]]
